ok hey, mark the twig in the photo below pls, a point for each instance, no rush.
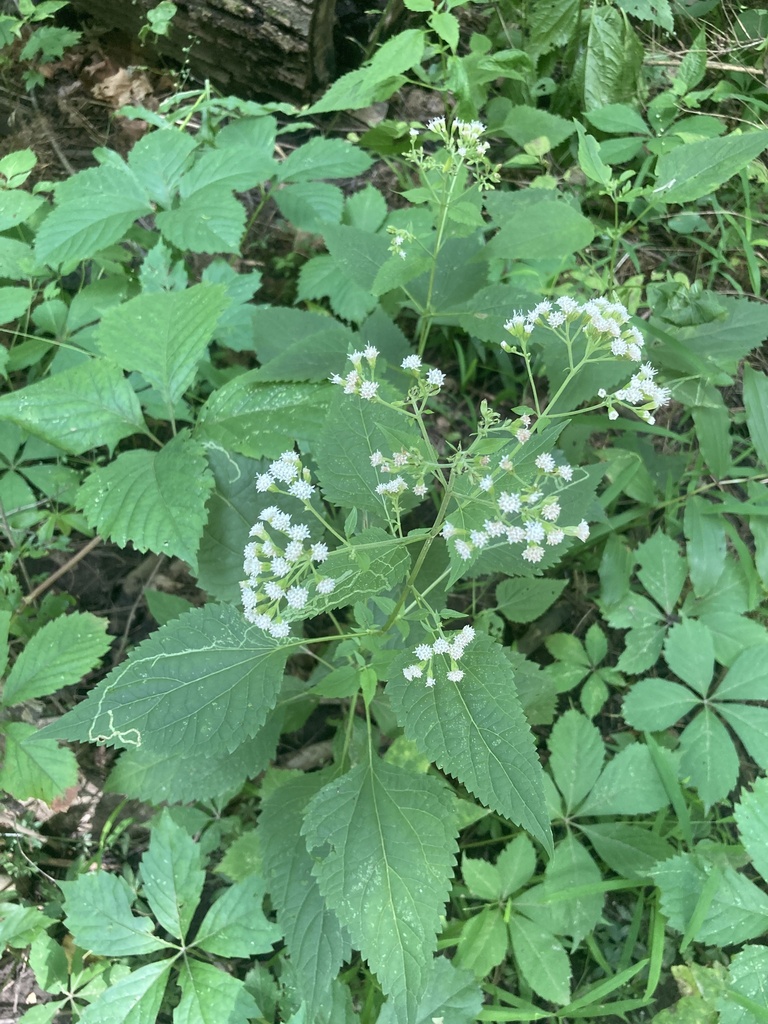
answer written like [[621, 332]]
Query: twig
[[712, 65], [42, 587]]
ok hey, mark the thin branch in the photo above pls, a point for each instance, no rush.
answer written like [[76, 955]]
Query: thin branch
[[42, 587]]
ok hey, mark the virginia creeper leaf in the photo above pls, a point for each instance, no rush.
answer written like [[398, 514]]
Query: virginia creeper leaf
[[35, 768], [210, 995], [172, 875], [235, 925], [542, 960], [98, 913], [134, 999], [59, 654]]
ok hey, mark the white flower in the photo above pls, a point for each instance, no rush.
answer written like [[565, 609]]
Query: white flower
[[370, 352], [515, 535], [565, 471], [478, 538], [523, 435], [534, 532], [493, 527], [486, 483], [297, 597], [456, 675], [509, 502], [448, 530], [556, 319], [263, 482], [601, 393], [319, 552], [262, 621], [423, 652], [376, 459], [551, 512], [281, 521], [279, 630], [420, 490], [441, 646], [463, 550], [301, 489], [412, 672], [284, 471], [280, 567], [326, 586], [368, 389], [273, 590], [267, 514], [294, 551], [299, 531], [545, 462], [582, 530], [534, 553], [436, 377], [411, 363], [400, 459], [430, 682], [613, 414], [555, 537]]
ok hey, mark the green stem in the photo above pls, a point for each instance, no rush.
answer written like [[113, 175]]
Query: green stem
[[426, 316]]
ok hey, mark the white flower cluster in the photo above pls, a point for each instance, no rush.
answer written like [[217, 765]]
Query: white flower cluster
[[461, 137], [641, 391], [604, 323], [356, 382], [527, 516], [432, 379], [398, 463], [606, 326], [280, 564], [448, 651]]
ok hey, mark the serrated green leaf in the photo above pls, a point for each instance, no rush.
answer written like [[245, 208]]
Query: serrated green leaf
[[751, 813], [207, 676], [655, 704], [541, 959], [98, 913], [387, 838], [355, 429], [642, 649], [524, 600], [662, 570], [311, 205], [257, 417], [657, 11], [322, 277], [235, 925], [159, 160], [35, 768], [612, 61], [209, 994], [549, 230], [698, 169], [19, 926], [746, 678], [169, 333], [481, 878], [516, 864], [156, 500], [172, 875], [476, 731], [689, 651], [451, 993], [552, 25], [629, 850], [577, 755], [59, 654], [85, 407], [210, 220], [629, 784], [708, 757], [366, 209], [733, 634], [483, 942], [315, 940], [233, 168], [446, 26], [706, 548], [750, 723], [174, 777], [572, 867], [14, 302], [94, 208], [323, 159], [135, 999], [756, 404], [748, 972]]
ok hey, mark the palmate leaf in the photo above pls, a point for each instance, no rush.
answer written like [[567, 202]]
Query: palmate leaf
[[476, 731], [708, 757], [315, 940], [541, 959], [169, 333], [451, 994], [751, 815], [235, 925], [98, 913], [209, 994], [134, 999], [59, 654], [385, 842], [577, 755], [35, 768], [85, 407], [156, 500], [172, 875], [207, 681]]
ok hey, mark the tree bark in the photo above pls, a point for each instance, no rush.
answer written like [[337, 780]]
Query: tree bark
[[260, 49]]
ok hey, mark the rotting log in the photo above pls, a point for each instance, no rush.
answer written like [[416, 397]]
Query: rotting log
[[276, 49]]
